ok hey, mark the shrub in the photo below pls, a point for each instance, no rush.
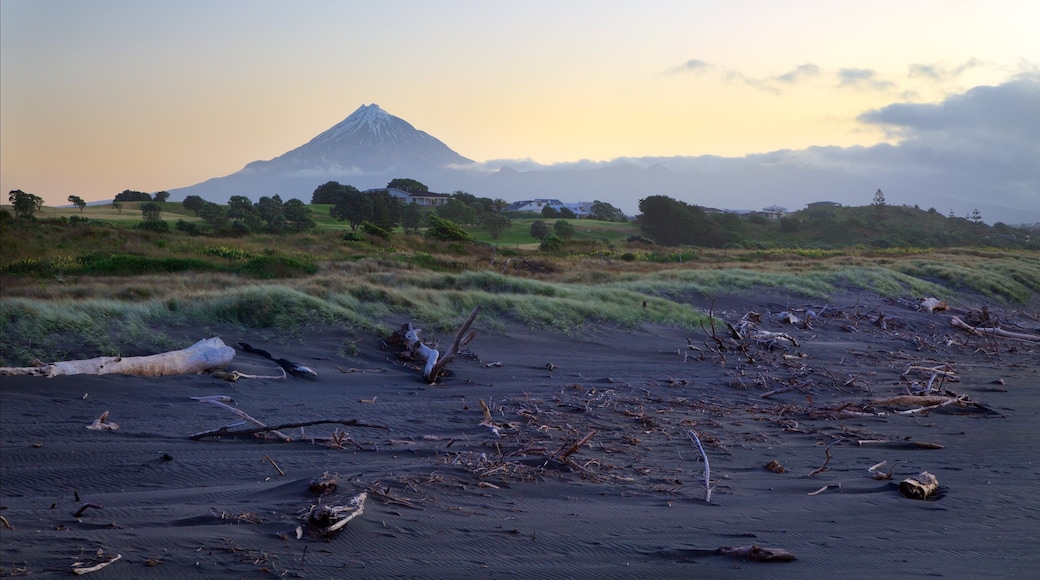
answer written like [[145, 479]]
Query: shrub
[[445, 230], [551, 243], [268, 267], [374, 230], [353, 237]]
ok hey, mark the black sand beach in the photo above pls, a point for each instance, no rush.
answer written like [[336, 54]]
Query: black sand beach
[[447, 498]]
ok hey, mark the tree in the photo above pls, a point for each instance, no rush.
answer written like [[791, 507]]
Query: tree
[[352, 206], [25, 204], [78, 202], [539, 229], [445, 230], [411, 217], [162, 196], [151, 211], [213, 214], [241, 209], [328, 193], [409, 185], [566, 213], [603, 211], [671, 222], [118, 206], [564, 230], [130, 195], [270, 210], [298, 215], [193, 203], [457, 211], [879, 202], [549, 211], [495, 223], [975, 216], [386, 209], [153, 221]]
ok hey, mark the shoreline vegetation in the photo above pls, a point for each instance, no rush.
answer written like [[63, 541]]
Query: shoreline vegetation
[[96, 288]]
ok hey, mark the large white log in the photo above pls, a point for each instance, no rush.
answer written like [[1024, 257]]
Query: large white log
[[209, 353]]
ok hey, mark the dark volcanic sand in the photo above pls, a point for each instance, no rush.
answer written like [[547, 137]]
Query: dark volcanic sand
[[629, 504]]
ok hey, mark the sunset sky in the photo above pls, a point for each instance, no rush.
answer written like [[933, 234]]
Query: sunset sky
[[105, 95]]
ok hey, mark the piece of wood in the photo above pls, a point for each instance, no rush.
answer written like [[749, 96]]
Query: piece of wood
[[921, 486], [794, 387], [757, 553], [222, 402], [227, 432], [462, 338], [707, 468], [206, 354], [86, 570], [986, 331], [329, 519]]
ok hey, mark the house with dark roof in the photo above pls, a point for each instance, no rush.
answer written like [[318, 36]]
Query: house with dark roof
[[424, 199]]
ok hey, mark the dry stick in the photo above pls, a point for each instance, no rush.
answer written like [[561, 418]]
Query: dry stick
[[274, 465], [84, 507], [462, 338], [827, 451], [994, 332], [222, 402], [225, 431], [564, 452], [768, 394], [707, 468]]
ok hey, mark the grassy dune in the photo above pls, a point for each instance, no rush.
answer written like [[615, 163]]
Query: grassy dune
[[103, 290]]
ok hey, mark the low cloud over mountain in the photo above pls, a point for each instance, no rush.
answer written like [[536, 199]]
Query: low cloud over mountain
[[979, 149]]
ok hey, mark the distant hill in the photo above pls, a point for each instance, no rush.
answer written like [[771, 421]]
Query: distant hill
[[371, 147]]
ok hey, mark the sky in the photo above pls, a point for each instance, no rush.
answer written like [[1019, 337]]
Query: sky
[[106, 95]]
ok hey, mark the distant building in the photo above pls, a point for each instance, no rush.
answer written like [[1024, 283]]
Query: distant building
[[822, 204], [773, 212], [426, 199], [534, 205]]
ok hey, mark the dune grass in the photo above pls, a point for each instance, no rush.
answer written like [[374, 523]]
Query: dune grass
[[70, 291]]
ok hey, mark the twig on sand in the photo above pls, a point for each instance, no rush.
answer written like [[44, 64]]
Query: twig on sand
[[827, 451], [274, 465], [222, 402], [225, 431], [566, 451], [707, 468]]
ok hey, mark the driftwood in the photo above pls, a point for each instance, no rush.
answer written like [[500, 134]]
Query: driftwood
[[920, 486], [222, 402], [435, 363], [78, 569], [205, 354], [707, 469], [756, 553], [293, 368], [330, 519], [996, 331]]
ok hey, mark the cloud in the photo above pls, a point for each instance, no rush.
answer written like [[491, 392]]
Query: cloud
[[800, 73], [938, 73], [691, 66], [862, 78]]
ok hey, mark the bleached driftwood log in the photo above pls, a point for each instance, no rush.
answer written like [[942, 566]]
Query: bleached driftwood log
[[920, 486], [987, 331], [435, 363], [205, 354]]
